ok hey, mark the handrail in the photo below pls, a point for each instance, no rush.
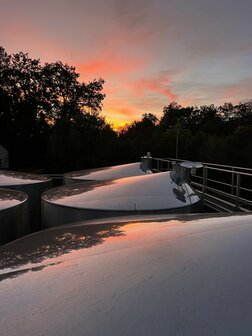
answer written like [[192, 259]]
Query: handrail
[[206, 163], [205, 184]]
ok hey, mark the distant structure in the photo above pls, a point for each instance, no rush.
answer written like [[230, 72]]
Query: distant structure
[[4, 158]]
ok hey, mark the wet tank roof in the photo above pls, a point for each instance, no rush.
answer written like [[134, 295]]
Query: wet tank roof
[[190, 275], [11, 198], [148, 192], [11, 178], [107, 173]]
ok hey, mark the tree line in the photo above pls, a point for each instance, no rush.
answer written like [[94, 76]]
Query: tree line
[[50, 121]]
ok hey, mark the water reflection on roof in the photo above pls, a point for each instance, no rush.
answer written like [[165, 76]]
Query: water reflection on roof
[[10, 198], [59, 241], [183, 276], [17, 178], [149, 192], [107, 173]]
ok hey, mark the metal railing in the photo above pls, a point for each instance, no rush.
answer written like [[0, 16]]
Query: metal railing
[[222, 187]]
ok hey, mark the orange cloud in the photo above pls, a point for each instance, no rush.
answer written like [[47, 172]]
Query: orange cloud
[[135, 97]]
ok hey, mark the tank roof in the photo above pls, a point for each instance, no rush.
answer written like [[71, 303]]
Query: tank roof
[[187, 276], [107, 173], [11, 198], [11, 178], [148, 192]]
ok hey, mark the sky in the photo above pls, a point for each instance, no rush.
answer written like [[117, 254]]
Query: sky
[[149, 52]]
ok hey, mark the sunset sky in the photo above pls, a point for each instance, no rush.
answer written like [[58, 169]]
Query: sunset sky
[[149, 52]]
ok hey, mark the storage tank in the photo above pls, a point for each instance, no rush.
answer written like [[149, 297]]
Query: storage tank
[[31, 184], [187, 276], [14, 215], [107, 173], [154, 193]]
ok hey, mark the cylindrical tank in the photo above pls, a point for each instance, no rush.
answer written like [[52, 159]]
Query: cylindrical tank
[[154, 193], [185, 276], [14, 215], [31, 184], [106, 173]]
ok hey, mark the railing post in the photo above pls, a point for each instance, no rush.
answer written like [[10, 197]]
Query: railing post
[[204, 182], [238, 183], [232, 181], [177, 143]]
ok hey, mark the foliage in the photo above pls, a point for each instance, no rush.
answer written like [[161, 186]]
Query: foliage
[[45, 110]]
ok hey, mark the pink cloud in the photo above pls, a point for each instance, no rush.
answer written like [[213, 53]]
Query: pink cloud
[[109, 64], [160, 84]]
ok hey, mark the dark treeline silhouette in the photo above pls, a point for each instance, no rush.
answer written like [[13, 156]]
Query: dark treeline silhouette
[[50, 121], [48, 118], [211, 134]]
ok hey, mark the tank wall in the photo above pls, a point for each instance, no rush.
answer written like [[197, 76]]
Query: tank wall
[[34, 192], [55, 215], [14, 222]]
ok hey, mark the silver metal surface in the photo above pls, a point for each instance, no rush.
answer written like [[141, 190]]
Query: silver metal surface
[[31, 184], [131, 195], [14, 215], [105, 173], [191, 164], [187, 276], [223, 188], [8, 177]]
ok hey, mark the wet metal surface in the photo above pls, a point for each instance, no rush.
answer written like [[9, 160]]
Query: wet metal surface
[[105, 173], [31, 184], [154, 193], [188, 276], [8, 178], [149, 192], [10, 198]]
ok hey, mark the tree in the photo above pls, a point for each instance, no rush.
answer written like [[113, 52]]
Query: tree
[[36, 100]]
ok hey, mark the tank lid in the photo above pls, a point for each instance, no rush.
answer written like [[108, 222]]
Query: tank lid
[[191, 164], [9, 178]]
